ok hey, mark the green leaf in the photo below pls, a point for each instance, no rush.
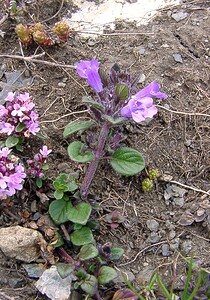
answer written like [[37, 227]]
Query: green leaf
[[77, 125], [90, 285], [122, 91], [87, 252], [64, 270], [80, 213], [77, 226], [19, 147], [45, 167], [65, 183], [76, 153], [106, 274], [11, 141], [82, 236], [58, 210], [38, 182], [20, 127], [89, 100], [58, 195], [116, 253], [114, 121], [127, 161]]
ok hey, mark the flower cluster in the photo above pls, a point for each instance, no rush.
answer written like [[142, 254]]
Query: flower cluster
[[17, 117], [35, 166], [116, 87], [12, 174]]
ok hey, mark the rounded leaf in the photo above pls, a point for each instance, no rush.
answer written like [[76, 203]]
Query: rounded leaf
[[58, 210], [87, 252], [76, 153], [82, 236], [12, 141], [76, 126], [90, 285], [127, 161], [80, 213], [106, 274]]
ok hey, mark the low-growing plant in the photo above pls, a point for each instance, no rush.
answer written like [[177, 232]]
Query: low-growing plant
[[42, 36]]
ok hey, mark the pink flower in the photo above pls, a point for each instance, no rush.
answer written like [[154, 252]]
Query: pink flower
[[44, 151]]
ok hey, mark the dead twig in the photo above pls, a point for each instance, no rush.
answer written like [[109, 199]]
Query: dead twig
[[32, 59], [141, 251], [64, 116], [182, 112]]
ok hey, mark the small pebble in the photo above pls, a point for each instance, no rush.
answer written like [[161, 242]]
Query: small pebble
[[61, 84], [142, 78], [178, 58], [141, 51], [186, 247], [153, 225], [165, 250], [179, 16], [172, 234]]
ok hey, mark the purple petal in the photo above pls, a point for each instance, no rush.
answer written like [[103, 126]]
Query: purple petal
[[126, 111], [94, 80], [150, 112], [151, 90], [137, 116], [85, 65]]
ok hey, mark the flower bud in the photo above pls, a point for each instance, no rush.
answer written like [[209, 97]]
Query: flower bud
[[24, 34], [154, 173], [147, 184], [41, 38], [62, 30]]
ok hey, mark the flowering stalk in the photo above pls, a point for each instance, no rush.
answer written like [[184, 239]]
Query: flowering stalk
[[94, 163]]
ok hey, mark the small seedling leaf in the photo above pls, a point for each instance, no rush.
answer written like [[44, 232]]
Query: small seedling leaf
[[76, 153], [127, 161], [64, 270], [20, 127], [12, 141], [80, 213], [76, 126], [106, 274], [90, 285], [58, 195], [58, 210], [87, 252], [116, 253], [82, 236]]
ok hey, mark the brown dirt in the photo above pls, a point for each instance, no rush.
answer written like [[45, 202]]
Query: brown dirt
[[177, 144]]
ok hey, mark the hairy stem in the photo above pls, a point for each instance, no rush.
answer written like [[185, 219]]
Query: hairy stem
[[94, 163]]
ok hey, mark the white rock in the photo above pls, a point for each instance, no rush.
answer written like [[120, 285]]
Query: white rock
[[20, 243], [53, 286]]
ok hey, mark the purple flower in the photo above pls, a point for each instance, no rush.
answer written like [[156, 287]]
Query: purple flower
[[12, 174], [89, 70], [44, 151], [140, 106], [3, 111]]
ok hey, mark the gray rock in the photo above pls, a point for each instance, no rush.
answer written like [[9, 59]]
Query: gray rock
[[20, 243], [34, 270], [145, 275], [165, 250], [127, 274], [179, 201], [186, 247], [179, 16], [174, 244], [61, 84], [171, 234], [53, 286], [141, 51], [153, 225], [154, 237], [178, 58]]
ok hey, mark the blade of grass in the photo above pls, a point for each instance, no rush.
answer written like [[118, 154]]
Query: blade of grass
[[133, 289], [163, 288], [186, 286], [193, 294]]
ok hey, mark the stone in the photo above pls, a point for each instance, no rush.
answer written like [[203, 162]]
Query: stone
[[178, 58], [53, 286], [179, 16], [171, 234], [124, 273], [153, 225], [154, 237], [20, 243], [165, 250], [144, 276], [186, 247], [142, 78], [174, 244]]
